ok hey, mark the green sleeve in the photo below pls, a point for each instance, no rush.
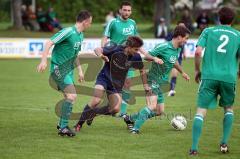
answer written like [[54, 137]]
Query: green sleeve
[[203, 38], [61, 35], [108, 28], [158, 49], [135, 31]]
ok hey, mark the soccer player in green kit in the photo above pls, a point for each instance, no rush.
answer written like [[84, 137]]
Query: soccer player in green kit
[[158, 77], [67, 44], [218, 76], [117, 32]]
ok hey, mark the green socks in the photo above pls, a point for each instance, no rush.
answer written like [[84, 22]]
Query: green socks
[[126, 94], [144, 114], [134, 117], [227, 126], [66, 110], [196, 130]]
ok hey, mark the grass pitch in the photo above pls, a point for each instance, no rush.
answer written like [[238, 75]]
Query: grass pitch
[[28, 123]]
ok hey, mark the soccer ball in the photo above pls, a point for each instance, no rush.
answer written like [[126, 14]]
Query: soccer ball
[[179, 122]]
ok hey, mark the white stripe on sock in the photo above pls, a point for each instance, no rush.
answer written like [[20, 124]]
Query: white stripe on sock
[[228, 113], [198, 117], [124, 102]]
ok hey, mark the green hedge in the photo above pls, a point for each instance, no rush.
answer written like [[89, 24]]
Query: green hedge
[[68, 9], [4, 10]]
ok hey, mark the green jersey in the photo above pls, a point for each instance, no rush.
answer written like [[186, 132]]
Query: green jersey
[[118, 30], [67, 45], [169, 55], [222, 49]]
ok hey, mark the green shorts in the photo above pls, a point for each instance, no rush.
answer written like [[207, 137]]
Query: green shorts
[[131, 73], [61, 79], [210, 89], [156, 90]]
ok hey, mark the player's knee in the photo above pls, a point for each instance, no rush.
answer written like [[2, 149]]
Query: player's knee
[[152, 107], [127, 84], [228, 109], [202, 112], [94, 102], [115, 110], [72, 97], [174, 73], [160, 112]]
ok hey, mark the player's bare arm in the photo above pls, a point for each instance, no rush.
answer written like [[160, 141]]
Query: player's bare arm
[[99, 52], [80, 71], [180, 70], [43, 64], [143, 74], [148, 57], [104, 41]]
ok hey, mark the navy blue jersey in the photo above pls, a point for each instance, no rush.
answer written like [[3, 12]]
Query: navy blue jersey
[[119, 63]]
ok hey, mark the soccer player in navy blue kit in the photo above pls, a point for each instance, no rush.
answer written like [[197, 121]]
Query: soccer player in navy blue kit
[[118, 59]]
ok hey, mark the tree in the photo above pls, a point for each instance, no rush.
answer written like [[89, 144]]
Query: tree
[[16, 13]]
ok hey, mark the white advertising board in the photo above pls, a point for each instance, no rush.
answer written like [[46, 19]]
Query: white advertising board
[[33, 48]]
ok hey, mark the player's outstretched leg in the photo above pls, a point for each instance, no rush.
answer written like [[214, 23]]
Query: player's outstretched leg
[[123, 109], [126, 94], [172, 91], [63, 128], [66, 132], [193, 152], [224, 148], [86, 114], [227, 127], [129, 122], [98, 111], [90, 120], [173, 82], [144, 114], [196, 133]]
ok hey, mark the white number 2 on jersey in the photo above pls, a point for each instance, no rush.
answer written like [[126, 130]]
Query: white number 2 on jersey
[[225, 40]]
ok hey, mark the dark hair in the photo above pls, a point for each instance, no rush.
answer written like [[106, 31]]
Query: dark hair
[[125, 3], [180, 30], [134, 41], [226, 15], [83, 15]]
